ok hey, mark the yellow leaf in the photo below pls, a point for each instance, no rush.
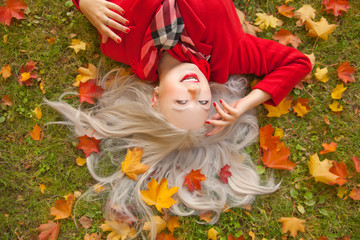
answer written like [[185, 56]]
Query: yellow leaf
[[80, 161], [336, 107], [131, 166], [159, 194], [159, 223], [172, 223], [264, 21], [5, 38], [42, 88], [212, 234], [287, 1], [118, 230], [292, 225], [77, 45], [6, 71], [25, 76], [320, 170], [320, 29], [280, 109], [278, 132], [38, 113], [338, 91], [42, 188], [252, 235], [206, 216], [98, 188], [85, 74], [320, 74], [341, 192], [305, 13]]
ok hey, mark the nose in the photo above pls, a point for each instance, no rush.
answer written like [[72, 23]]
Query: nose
[[194, 91]]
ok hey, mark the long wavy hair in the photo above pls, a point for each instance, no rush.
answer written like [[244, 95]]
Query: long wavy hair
[[123, 118]]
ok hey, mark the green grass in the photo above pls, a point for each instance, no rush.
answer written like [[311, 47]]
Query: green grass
[[25, 163]]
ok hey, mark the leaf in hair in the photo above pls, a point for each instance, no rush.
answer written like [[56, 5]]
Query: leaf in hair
[[88, 145], [131, 166], [89, 90], [225, 174], [193, 179]]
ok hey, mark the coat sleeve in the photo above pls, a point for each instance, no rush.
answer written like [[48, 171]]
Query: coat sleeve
[[282, 66]]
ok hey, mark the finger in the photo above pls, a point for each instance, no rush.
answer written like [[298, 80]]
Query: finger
[[228, 108], [216, 116], [215, 131], [115, 7], [106, 32], [113, 24], [117, 18], [221, 112], [218, 122], [104, 38]]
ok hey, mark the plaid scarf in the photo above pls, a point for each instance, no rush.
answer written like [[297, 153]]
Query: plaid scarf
[[166, 31]]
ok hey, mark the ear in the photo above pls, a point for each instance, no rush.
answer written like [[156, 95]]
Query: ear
[[155, 97]]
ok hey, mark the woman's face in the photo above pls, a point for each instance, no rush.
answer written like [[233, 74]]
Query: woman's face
[[183, 95]]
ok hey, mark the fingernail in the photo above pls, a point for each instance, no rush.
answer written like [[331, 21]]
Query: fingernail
[[118, 40], [127, 30], [207, 122], [123, 12], [220, 101], [214, 104], [127, 23]]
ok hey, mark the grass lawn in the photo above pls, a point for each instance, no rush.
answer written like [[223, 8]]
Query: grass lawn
[[26, 163]]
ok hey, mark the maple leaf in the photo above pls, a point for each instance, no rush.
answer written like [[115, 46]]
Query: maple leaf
[[282, 108], [131, 166], [12, 10], [301, 106], [159, 194], [246, 26], [320, 74], [63, 207], [42, 188], [267, 140], [27, 74], [355, 193], [356, 163], [5, 71], [331, 147], [159, 223], [225, 174], [172, 223], [165, 236], [49, 230], [212, 234], [285, 10], [338, 91], [320, 29], [305, 13], [38, 113], [285, 37], [264, 21], [277, 157], [6, 100], [36, 133], [345, 72], [206, 216], [340, 170], [88, 145], [336, 107], [336, 7], [320, 170], [192, 180], [118, 230], [77, 45], [85, 222], [231, 237], [89, 90], [292, 225], [85, 74]]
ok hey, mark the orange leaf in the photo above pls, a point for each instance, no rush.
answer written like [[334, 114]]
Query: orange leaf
[[282, 108], [131, 166], [267, 140], [285, 37], [12, 10], [36, 133], [7, 100], [277, 157], [340, 170], [355, 193], [206, 216], [159, 194], [231, 237], [328, 148], [356, 163], [172, 223], [27, 73], [225, 174], [49, 230], [165, 236], [292, 225], [88, 145], [346, 73], [63, 207], [193, 179], [6, 71], [89, 90], [285, 11], [38, 113], [42, 188], [118, 230], [80, 161], [336, 6]]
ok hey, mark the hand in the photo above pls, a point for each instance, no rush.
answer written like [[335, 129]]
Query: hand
[[100, 14]]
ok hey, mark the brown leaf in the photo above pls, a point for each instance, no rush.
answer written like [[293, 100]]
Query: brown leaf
[[206, 216], [49, 230], [292, 225], [86, 222], [93, 236], [63, 207], [6, 100], [285, 37]]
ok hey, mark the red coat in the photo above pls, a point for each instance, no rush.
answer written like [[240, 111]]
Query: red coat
[[214, 27]]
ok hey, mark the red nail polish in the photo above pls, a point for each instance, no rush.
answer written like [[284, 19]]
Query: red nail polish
[[220, 101], [127, 30], [127, 23], [123, 12], [214, 104], [118, 40], [207, 122]]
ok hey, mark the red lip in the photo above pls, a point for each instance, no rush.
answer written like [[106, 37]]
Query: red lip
[[190, 75]]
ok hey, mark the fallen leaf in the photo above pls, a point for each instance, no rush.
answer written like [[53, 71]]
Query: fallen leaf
[[172, 223], [38, 113], [336, 7], [6, 100], [278, 132], [292, 225], [267, 140], [321, 29], [77, 45], [159, 194], [331, 147], [320, 170], [27, 73], [326, 120], [301, 106], [63, 207], [159, 223], [88, 145], [282, 108], [42, 188], [36, 133], [132, 166], [118, 230], [355, 193], [336, 107], [5, 71], [345, 72], [5, 38], [51, 40], [212, 234], [99, 188], [231, 237], [165, 236], [320, 74], [341, 192], [340, 170], [356, 163], [206, 216], [192, 180], [80, 161], [86, 222], [93, 236], [305, 13], [285, 10], [264, 21], [12, 10], [49, 230], [277, 158], [89, 90], [41, 86], [285, 37], [338, 91], [246, 26], [86, 74], [225, 174], [252, 235]]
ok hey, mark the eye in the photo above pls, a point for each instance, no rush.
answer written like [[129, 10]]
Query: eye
[[182, 102], [203, 102]]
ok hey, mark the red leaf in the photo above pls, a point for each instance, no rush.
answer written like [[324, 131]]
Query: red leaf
[[231, 237], [89, 90], [356, 163], [29, 67], [12, 10], [285, 37], [277, 158], [340, 170], [88, 145], [355, 193], [225, 174], [193, 179], [49, 230], [336, 6], [346, 73], [165, 236]]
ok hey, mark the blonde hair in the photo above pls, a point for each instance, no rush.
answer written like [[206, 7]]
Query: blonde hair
[[124, 118]]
